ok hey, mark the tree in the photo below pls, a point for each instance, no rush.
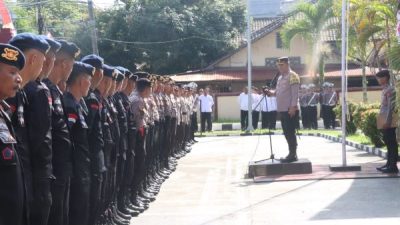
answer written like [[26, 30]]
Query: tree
[[170, 36], [368, 34], [311, 19]]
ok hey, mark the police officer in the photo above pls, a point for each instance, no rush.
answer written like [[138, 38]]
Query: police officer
[[386, 121], [61, 143], [303, 95], [312, 102], [13, 205], [287, 97], [34, 147], [78, 85], [139, 113], [329, 101]]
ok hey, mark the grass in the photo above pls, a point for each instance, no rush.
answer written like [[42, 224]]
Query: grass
[[358, 138]]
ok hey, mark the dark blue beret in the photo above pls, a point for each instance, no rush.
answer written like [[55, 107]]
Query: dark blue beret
[[11, 55], [54, 45], [69, 48], [143, 83], [120, 76], [109, 71], [94, 60], [142, 74], [25, 41], [80, 69]]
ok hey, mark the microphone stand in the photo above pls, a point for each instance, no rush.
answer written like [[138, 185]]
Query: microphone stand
[[272, 155]]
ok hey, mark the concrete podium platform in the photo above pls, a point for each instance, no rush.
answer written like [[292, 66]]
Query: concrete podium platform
[[275, 167]]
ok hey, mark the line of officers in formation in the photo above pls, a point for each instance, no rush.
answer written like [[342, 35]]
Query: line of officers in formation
[[310, 97], [84, 143]]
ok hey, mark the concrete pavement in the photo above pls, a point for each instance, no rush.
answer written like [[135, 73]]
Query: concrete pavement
[[208, 188]]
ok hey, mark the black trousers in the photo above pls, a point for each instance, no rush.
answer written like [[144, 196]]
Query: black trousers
[[289, 125], [140, 164], [255, 118], [206, 116], [268, 120], [244, 119], [96, 184], [40, 207], [389, 137], [305, 117], [60, 206], [79, 201], [312, 117], [329, 117]]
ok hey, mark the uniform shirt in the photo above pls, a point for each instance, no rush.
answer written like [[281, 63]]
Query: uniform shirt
[[138, 110], [39, 128], [206, 103], [268, 104], [174, 106], [313, 99], [287, 91], [329, 98], [62, 147], [79, 134], [388, 101], [303, 99], [243, 101], [196, 102], [12, 194]]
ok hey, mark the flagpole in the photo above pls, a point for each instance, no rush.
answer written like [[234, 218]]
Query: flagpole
[[344, 105], [249, 63]]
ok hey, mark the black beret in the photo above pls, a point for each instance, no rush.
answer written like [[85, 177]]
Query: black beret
[[54, 45], [133, 77], [109, 71], [143, 83], [11, 55], [141, 74], [94, 60], [283, 60], [25, 41], [383, 73], [69, 48]]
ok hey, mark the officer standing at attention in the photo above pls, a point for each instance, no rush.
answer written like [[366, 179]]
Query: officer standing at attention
[[287, 97], [13, 205], [388, 129], [78, 86], [62, 147], [303, 106], [35, 160], [312, 102]]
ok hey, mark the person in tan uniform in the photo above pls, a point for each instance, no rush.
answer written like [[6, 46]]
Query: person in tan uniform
[[287, 97]]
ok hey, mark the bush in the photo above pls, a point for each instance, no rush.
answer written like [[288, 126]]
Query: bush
[[351, 128], [359, 110], [368, 126]]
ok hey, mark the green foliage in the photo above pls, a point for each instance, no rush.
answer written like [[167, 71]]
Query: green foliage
[[351, 128], [183, 34], [368, 126]]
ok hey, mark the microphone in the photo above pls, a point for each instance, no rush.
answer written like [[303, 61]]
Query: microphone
[[273, 82]]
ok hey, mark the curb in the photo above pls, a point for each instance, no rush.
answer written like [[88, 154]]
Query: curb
[[369, 149]]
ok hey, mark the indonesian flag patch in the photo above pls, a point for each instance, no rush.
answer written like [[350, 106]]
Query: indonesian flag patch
[[72, 118]]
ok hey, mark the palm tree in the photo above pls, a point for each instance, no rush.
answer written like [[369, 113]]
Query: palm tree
[[368, 33], [312, 19]]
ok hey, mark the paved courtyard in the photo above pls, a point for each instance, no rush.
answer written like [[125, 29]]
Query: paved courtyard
[[208, 187]]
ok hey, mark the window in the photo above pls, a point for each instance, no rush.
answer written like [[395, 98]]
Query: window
[[279, 43]]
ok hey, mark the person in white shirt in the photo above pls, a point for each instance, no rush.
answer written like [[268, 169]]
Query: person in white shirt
[[256, 106], [206, 105], [244, 112]]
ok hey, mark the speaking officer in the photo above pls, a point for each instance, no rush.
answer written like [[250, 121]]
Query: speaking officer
[[33, 147], [78, 87], [62, 147], [95, 135], [387, 123], [287, 97], [13, 203]]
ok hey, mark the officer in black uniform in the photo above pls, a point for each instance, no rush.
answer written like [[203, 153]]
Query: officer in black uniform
[[78, 85], [62, 146], [96, 143], [13, 205], [33, 147]]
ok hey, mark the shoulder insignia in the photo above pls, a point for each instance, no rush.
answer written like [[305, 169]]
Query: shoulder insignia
[[7, 153], [94, 106], [72, 117], [294, 78]]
